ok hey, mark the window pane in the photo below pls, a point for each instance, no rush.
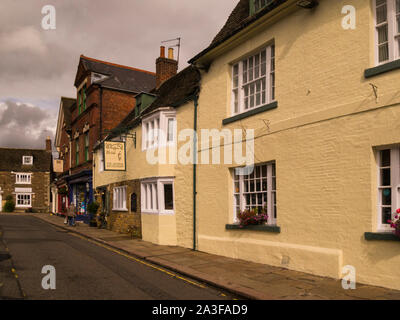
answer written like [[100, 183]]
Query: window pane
[[251, 69], [383, 34], [386, 197], [170, 130], [385, 158], [168, 197], [386, 215], [263, 63], [381, 11], [385, 177]]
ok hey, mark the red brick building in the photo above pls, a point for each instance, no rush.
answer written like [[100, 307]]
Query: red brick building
[[105, 95]]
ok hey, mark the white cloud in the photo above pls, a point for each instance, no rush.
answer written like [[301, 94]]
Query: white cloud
[[24, 39]]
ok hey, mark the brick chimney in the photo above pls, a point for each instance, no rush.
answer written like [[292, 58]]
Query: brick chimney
[[165, 67], [48, 144]]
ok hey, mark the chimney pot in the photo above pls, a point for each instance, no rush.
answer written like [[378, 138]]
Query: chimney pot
[[166, 68], [171, 53], [48, 144], [162, 52]]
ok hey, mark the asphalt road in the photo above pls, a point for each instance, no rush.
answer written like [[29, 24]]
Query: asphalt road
[[84, 270]]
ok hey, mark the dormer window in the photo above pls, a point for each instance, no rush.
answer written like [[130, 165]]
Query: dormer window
[[27, 160], [257, 5]]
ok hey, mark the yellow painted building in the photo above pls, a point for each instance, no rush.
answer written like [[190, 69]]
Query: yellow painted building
[[321, 90], [161, 188], [319, 85]]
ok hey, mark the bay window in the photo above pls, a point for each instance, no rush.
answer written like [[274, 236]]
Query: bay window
[[24, 200], [256, 191], [159, 130], [23, 178], [157, 196], [388, 186], [387, 28], [253, 81], [119, 199]]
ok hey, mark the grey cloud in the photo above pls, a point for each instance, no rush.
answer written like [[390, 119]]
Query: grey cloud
[[24, 126], [127, 32]]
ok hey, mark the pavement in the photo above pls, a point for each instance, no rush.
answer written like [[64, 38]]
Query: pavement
[[242, 278]]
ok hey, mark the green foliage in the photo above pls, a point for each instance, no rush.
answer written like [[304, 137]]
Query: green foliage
[[93, 207], [9, 206], [9, 198]]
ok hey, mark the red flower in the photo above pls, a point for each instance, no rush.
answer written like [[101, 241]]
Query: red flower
[[398, 210]]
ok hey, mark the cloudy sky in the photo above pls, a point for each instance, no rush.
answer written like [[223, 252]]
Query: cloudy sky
[[38, 66]]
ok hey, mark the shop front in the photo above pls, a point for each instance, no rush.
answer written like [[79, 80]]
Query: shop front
[[81, 194]]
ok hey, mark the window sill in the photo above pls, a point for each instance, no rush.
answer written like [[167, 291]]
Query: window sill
[[382, 236], [252, 112], [261, 227], [383, 68], [120, 210]]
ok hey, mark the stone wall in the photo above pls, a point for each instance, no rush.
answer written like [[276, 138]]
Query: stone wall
[[40, 188], [121, 221]]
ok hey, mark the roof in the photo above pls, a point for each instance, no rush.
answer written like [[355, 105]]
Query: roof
[[67, 104], [119, 76], [238, 20], [11, 160], [176, 91], [172, 93]]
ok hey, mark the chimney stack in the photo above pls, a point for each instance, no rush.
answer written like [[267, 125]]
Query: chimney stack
[[48, 144], [165, 67]]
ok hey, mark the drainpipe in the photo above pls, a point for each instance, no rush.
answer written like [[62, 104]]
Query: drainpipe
[[196, 103], [101, 113]]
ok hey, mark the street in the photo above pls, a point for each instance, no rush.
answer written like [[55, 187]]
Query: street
[[84, 270]]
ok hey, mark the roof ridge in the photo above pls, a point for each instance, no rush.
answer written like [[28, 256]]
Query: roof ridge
[[117, 65]]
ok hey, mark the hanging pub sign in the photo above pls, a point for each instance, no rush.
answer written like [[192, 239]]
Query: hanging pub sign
[[58, 166], [114, 156]]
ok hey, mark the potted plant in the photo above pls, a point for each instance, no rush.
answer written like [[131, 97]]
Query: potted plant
[[253, 217], [10, 204], [92, 209], [395, 223]]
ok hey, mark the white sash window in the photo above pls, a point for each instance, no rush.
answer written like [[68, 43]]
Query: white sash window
[[253, 81], [387, 29]]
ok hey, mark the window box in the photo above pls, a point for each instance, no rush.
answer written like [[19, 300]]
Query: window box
[[255, 190], [381, 236], [261, 227]]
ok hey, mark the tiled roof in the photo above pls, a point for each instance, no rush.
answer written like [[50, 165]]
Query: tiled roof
[[67, 104], [11, 160], [238, 20], [121, 77]]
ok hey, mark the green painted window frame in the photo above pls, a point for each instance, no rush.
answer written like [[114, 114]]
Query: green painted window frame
[[77, 151], [87, 141], [79, 102], [84, 97]]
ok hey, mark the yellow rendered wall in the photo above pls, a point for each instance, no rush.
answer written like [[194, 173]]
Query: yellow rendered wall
[[160, 229], [322, 137]]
